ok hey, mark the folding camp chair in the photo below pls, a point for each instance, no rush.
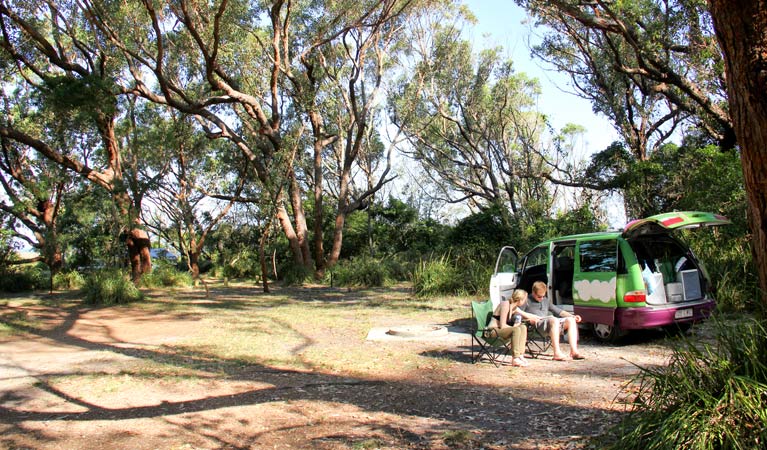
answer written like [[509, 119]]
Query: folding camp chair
[[537, 343], [487, 340]]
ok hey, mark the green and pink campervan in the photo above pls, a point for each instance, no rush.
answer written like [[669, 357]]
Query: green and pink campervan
[[638, 278]]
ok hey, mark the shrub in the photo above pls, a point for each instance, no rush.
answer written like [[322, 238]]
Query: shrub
[[166, 276], [68, 280], [466, 274], [708, 397], [361, 271], [295, 275], [729, 263], [437, 277], [24, 278], [476, 278], [110, 287]]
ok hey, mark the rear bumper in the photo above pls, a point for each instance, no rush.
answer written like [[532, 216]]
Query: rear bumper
[[656, 316]]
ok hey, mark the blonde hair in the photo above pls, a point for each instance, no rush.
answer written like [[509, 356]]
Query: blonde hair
[[518, 296], [539, 286]]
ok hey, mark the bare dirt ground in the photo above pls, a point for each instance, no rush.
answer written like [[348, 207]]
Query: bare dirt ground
[[76, 377]]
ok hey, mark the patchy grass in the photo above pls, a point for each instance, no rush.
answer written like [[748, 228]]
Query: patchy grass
[[237, 367], [313, 330]]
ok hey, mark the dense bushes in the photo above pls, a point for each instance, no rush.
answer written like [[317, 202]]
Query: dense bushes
[[731, 269], [708, 397], [24, 278], [445, 275]]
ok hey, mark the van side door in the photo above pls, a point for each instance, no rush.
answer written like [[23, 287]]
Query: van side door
[[595, 279], [505, 276]]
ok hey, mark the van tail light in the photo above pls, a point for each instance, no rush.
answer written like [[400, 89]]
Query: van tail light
[[635, 297]]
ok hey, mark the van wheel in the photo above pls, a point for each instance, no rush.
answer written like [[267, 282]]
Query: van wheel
[[607, 333]]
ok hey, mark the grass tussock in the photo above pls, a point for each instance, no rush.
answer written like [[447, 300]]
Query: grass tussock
[[67, 280], [110, 287], [166, 276], [708, 397], [447, 275]]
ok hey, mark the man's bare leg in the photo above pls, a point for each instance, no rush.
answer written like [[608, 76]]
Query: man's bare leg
[[572, 337], [554, 335]]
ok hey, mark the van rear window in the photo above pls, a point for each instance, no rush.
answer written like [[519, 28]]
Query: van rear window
[[599, 256]]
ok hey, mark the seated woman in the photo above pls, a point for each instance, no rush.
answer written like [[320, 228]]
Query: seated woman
[[510, 329]]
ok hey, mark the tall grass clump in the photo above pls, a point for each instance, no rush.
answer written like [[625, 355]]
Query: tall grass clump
[[437, 276], [361, 271], [295, 275], [110, 287], [71, 279], [166, 276], [463, 274], [708, 397]]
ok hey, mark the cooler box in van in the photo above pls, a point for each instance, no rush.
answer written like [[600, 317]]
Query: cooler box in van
[[674, 292]]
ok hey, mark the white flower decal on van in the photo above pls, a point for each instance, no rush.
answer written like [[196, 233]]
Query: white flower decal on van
[[588, 290]]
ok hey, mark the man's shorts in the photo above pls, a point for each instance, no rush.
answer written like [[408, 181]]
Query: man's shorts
[[543, 324]]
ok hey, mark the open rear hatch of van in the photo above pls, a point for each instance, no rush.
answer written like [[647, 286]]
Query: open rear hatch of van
[[662, 223], [671, 272]]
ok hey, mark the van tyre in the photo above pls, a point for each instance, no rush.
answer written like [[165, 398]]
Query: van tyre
[[607, 333]]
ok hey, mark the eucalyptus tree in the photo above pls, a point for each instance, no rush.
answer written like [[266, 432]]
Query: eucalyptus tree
[[74, 73], [472, 124], [34, 192], [651, 66], [258, 74], [184, 214], [741, 28]]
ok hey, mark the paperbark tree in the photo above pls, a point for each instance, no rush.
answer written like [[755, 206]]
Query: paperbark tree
[[35, 201], [180, 196]]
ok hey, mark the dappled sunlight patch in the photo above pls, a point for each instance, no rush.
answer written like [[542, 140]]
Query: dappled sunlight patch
[[132, 390]]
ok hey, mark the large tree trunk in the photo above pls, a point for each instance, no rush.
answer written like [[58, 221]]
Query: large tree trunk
[[290, 234], [741, 27], [319, 250], [341, 213], [49, 240], [138, 253], [302, 231]]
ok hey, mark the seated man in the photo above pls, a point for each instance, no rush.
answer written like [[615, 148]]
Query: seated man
[[538, 311]]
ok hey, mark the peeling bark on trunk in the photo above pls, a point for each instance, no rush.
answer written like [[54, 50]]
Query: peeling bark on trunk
[[741, 27], [138, 253], [51, 250]]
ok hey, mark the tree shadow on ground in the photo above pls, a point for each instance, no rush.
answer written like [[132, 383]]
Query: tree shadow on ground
[[242, 297], [451, 405]]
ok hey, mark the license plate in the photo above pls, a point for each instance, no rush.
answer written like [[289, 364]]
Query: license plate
[[683, 313]]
